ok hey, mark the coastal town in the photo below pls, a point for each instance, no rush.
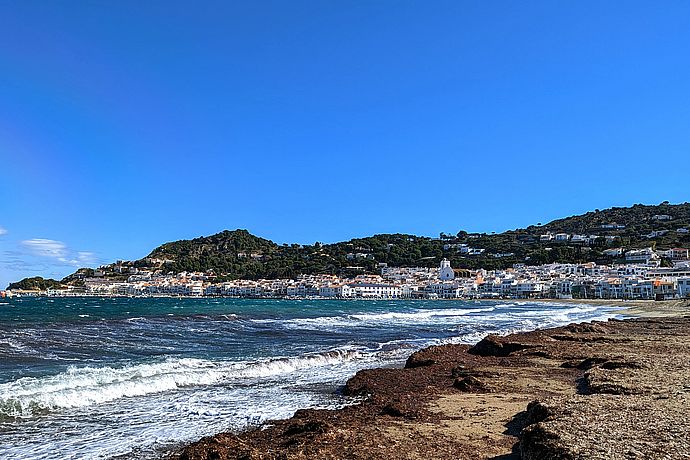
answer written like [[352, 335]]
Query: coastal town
[[365, 230], [639, 276]]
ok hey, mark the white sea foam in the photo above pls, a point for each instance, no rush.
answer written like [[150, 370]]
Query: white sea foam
[[516, 322], [509, 305], [423, 316], [11, 344], [548, 315], [85, 386], [136, 409]]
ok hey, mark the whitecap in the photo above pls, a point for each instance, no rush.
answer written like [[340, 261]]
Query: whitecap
[[86, 386]]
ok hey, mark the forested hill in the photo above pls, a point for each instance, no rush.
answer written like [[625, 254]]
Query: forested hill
[[36, 283], [239, 254], [638, 219], [225, 252]]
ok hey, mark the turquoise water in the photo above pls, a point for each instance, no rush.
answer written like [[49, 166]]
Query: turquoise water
[[99, 377]]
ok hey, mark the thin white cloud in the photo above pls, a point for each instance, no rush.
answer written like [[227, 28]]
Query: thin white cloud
[[86, 257], [46, 248], [3, 230], [58, 251], [81, 258]]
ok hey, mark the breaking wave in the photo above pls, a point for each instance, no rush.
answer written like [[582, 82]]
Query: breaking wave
[[429, 316], [154, 372], [554, 314], [420, 315], [86, 386]]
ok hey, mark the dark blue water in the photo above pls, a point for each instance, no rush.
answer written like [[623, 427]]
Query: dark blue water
[[99, 377]]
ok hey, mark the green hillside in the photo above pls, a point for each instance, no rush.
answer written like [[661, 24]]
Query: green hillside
[[239, 254], [36, 283], [638, 219]]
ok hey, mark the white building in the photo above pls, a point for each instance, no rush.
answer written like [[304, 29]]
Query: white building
[[372, 290], [334, 290], [684, 287], [444, 290], [679, 254], [643, 256], [656, 234], [633, 289], [529, 288], [564, 289], [579, 239], [446, 273]]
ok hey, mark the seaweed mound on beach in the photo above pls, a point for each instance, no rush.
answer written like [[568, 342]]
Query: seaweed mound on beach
[[601, 390], [632, 401]]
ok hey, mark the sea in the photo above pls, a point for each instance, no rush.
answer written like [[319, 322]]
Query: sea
[[135, 378]]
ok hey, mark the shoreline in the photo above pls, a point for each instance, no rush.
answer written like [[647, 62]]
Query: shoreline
[[635, 308], [507, 397], [597, 301]]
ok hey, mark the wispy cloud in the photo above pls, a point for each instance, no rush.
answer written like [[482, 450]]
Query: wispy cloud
[[42, 257], [46, 248], [85, 257], [58, 251], [3, 230]]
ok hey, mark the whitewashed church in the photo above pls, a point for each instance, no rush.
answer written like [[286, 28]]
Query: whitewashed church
[[446, 273]]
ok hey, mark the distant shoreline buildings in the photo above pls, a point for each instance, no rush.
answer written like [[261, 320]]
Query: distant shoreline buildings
[[641, 277]]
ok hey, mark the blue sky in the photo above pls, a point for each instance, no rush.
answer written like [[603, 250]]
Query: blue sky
[[127, 124]]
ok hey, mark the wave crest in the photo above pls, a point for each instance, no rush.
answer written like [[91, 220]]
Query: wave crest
[[86, 386]]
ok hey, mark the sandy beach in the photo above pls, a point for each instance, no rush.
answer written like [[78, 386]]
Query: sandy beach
[[636, 308], [601, 390]]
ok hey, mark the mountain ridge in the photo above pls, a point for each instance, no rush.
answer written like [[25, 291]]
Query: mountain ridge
[[233, 254]]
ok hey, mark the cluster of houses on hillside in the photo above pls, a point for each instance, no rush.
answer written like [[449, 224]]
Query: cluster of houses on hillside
[[575, 238], [640, 278]]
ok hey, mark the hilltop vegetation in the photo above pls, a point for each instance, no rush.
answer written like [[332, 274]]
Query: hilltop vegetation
[[637, 219], [36, 283], [239, 254]]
